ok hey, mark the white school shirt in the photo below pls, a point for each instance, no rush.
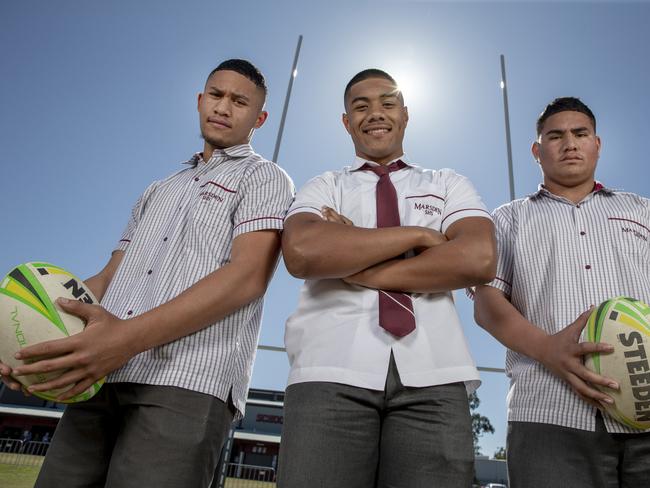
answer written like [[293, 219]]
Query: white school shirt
[[556, 259], [334, 335], [181, 230]]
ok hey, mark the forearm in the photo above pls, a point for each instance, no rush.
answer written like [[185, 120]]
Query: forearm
[[494, 313], [467, 259], [209, 300], [98, 284], [321, 249]]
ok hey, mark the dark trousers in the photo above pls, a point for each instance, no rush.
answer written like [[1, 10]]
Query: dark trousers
[[141, 436], [340, 436], [543, 455]]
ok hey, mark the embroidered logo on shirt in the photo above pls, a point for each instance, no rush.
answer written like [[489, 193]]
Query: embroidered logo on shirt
[[427, 209], [635, 233], [208, 196]]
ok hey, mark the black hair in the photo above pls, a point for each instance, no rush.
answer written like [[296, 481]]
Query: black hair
[[364, 75], [564, 104], [244, 68]]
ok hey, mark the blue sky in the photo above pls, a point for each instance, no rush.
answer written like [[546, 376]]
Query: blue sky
[[99, 98]]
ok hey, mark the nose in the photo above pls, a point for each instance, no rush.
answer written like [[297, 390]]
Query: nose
[[570, 142], [222, 106], [376, 114]]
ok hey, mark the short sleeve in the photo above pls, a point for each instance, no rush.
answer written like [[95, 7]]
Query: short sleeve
[[503, 224], [267, 194], [462, 200], [317, 193], [136, 215]]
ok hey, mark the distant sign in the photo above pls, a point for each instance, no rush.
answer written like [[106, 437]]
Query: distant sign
[[269, 419]]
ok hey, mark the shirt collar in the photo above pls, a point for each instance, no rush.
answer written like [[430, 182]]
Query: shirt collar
[[358, 162], [232, 152], [598, 187]]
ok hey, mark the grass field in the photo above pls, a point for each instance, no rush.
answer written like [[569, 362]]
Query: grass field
[[12, 476]]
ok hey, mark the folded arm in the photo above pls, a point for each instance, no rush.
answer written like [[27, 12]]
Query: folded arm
[[467, 258], [317, 249], [561, 353], [108, 342]]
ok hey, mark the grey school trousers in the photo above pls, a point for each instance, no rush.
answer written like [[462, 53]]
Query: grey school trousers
[[142, 436], [340, 436], [543, 455]]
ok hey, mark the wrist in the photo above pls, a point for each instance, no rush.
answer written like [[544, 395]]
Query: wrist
[[134, 336], [538, 347]]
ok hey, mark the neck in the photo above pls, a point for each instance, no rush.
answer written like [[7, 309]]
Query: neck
[[382, 161], [208, 149], [575, 193]]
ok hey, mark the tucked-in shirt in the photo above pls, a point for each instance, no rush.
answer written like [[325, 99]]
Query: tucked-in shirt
[[181, 229], [556, 259], [334, 335]]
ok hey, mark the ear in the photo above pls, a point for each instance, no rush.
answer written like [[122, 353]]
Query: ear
[[535, 150], [261, 118], [346, 122], [598, 144], [198, 101], [406, 115]]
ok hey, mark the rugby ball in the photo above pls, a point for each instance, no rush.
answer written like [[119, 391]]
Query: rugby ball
[[623, 323], [29, 315]]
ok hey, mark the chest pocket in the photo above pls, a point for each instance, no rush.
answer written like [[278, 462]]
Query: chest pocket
[[630, 237], [214, 205], [423, 209]]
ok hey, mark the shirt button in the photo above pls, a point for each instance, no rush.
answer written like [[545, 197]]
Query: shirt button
[[582, 232], [588, 266], [130, 312], [578, 206], [196, 178], [150, 271], [165, 239]]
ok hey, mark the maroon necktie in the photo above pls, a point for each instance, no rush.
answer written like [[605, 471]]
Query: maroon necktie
[[395, 308]]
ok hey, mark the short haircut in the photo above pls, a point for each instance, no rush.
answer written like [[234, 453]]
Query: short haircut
[[564, 104], [364, 75], [244, 68]]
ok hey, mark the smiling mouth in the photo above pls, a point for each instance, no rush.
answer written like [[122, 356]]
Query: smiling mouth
[[377, 132]]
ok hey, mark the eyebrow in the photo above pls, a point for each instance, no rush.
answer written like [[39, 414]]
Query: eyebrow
[[562, 131], [359, 99], [393, 94], [233, 95]]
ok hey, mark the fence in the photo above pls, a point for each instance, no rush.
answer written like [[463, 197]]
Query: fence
[[248, 476], [21, 453]]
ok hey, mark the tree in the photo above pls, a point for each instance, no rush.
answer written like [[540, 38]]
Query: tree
[[480, 424], [500, 453]]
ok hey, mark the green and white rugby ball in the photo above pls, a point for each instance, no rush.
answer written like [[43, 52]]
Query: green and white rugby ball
[[623, 323], [29, 315]]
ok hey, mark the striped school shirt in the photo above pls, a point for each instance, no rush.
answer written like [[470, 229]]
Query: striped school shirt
[[181, 229], [556, 259]]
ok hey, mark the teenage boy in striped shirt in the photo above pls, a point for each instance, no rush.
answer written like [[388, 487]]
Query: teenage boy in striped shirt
[[560, 250], [181, 307]]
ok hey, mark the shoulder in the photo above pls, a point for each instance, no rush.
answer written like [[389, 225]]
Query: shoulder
[[257, 168], [630, 198], [510, 212], [328, 179]]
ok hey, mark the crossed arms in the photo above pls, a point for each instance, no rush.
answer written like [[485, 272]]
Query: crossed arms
[[315, 248]]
